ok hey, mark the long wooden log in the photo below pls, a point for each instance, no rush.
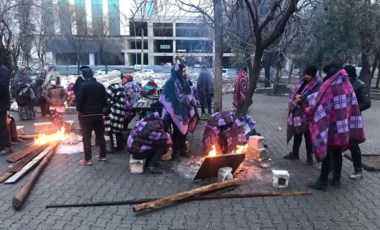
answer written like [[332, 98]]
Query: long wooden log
[[27, 137], [22, 153], [186, 194], [21, 196], [20, 164], [201, 197], [13, 179]]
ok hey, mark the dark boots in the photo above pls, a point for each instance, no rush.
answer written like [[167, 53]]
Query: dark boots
[[116, 142], [292, 156], [309, 159]]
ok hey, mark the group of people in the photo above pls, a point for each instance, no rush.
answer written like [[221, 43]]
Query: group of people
[[109, 111], [326, 110]]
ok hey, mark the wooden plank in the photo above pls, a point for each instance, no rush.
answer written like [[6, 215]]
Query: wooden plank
[[27, 137], [13, 179], [21, 163], [22, 153], [5, 176], [21, 196]]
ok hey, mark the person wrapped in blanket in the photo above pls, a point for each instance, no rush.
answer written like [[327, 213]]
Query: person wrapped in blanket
[[179, 109], [132, 95], [114, 114], [148, 140], [56, 96], [25, 94], [335, 123], [225, 132], [297, 121]]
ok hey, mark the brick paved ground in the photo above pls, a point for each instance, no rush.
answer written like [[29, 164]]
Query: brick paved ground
[[354, 206]]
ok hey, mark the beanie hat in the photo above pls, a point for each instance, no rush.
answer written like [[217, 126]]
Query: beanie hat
[[331, 69], [351, 71], [311, 70], [51, 67], [86, 72]]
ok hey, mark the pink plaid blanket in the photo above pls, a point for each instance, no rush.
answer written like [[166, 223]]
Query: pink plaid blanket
[[297, 120], [335, 119]]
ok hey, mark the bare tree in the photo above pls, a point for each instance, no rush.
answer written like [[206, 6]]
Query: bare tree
[[72, 18]]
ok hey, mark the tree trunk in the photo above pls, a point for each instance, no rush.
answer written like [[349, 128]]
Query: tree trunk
[[374, 66], [253, 78], [290, 72], [218, 58], [78, 64], [276, 79], [365, 72]]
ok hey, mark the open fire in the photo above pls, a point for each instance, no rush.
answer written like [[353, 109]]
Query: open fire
[[44, 139], [239, 150]]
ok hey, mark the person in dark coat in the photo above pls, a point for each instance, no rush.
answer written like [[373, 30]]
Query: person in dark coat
[[5, 142], [77, 83], [205, 90], [364, 101], [91, 102]]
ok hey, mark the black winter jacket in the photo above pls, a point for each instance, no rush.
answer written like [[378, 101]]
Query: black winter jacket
[[91, 98], [362, 93], [5, 76]]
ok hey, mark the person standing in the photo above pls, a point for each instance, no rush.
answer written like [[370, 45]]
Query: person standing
[[335, 123], [178, 109], [132, 95], [297, 120], [5, 76], [56, 96], [364, 101], [205, 90], [91, 102], [241, 88], [38, 89], [114, 120], [25, 94]]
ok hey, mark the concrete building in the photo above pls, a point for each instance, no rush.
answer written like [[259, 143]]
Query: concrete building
[[108, 32]]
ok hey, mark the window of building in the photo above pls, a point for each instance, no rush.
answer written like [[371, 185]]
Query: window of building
[[114, 17], [80, 16], [97, 16]]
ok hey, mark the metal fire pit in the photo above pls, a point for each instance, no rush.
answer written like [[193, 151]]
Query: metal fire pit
[[210, 165]]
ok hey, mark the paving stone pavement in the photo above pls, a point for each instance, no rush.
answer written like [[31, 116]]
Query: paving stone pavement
[[353, 206]]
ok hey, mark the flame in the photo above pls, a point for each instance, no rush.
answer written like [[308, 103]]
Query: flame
[[241, 148], [212, 153], [44, 139]]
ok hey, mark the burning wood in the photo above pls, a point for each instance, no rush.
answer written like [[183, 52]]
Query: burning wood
[[44, 139]]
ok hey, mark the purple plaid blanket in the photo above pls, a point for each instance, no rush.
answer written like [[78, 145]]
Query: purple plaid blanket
[[297, 120], [335, 119], [224, 131], [148, 133]]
